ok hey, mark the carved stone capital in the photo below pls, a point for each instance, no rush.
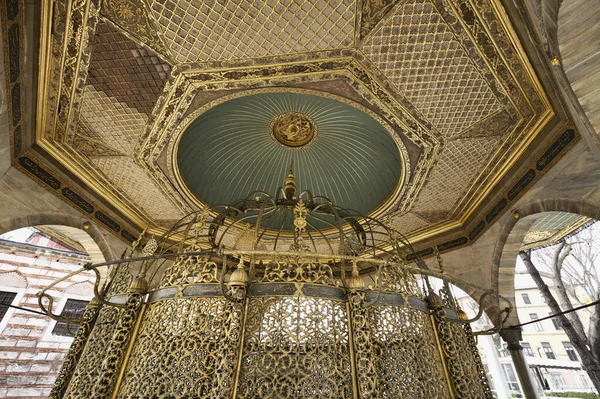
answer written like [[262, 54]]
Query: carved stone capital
[[512, 336]]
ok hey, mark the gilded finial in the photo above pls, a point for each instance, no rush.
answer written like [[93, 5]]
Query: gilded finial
[[290, 183], [355, 282]]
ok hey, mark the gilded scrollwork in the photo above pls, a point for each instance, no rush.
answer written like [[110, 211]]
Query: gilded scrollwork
[[190, 270], [117, 347], [298, 270], [88, 367], [75, 351], [395, 279], [119, 280], [133, 17], [462, 358], [372, 12]]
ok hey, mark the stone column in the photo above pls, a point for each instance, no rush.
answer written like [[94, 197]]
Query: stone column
[[512, 336], [72, 357]]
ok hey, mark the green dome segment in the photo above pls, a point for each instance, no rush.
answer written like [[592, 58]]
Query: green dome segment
[[247, 144]]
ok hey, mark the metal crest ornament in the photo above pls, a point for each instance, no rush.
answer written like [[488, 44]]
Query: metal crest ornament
[[298, 314], [293, 129]]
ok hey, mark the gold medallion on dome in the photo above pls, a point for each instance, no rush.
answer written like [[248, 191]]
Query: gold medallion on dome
[[293, 129]]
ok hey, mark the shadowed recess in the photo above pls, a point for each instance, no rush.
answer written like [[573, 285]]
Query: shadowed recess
[[229, 151]]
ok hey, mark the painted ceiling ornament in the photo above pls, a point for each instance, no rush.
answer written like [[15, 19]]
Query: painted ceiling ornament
[[293, 129]]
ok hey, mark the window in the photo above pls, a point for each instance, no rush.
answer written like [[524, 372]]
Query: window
[[511, 377], [558, 381], [585, 382], [548, 350], [538, 325], [73, 309], [6, 298], [570, 351], [526, 299], [527, 349]]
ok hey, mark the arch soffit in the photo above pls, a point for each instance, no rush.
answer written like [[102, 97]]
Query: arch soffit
[[511, 237], [97, 247]]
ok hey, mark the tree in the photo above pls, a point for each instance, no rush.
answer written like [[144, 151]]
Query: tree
[[573, 268]]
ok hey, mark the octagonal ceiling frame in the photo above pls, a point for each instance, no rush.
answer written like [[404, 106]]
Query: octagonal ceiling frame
[[17, 152]]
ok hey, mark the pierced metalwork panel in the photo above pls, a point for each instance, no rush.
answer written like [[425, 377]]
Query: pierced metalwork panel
[[190, 270], [431, 68], [184, 348], [196, 31], [397, 354], [295, 347], [464, 364], [89, 367], [120, 280], [298, 270], [395, 279]]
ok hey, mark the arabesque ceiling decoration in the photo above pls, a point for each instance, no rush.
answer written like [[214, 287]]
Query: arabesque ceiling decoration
[[447, 82]]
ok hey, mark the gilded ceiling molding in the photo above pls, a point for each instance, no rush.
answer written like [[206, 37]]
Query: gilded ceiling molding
[[373, 11], [134, 17], [11, 14], [67, 65]]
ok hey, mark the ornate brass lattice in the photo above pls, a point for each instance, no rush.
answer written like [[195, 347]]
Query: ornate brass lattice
[[275, 320]]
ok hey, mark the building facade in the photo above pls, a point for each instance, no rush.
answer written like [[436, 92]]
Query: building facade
[[32, 346]]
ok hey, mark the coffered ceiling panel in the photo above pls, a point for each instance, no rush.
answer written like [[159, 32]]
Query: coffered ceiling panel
[[417, 51], [409, 222], [201, 31], [129, 73], [458, 163], [135, 183], [114, 123]]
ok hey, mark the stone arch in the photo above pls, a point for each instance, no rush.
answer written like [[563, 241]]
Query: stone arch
[[13, 279], [569, 56], [512, 234], [84, 288], [80, 228]]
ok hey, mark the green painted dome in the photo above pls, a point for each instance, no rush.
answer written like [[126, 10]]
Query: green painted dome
[[247, 144]]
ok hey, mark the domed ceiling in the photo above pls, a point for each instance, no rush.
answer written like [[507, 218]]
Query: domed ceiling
[[247, 144], [426, 111]]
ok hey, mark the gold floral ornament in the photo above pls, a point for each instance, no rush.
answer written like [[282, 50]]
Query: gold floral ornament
[[293, 129], [300, 225]]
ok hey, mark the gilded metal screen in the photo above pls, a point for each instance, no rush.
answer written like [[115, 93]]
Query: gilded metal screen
[[392, 343], [87, 372], [184, 348], [295, 347], [287, 313]]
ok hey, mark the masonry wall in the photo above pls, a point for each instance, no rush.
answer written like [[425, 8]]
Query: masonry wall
[[30, 355]]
